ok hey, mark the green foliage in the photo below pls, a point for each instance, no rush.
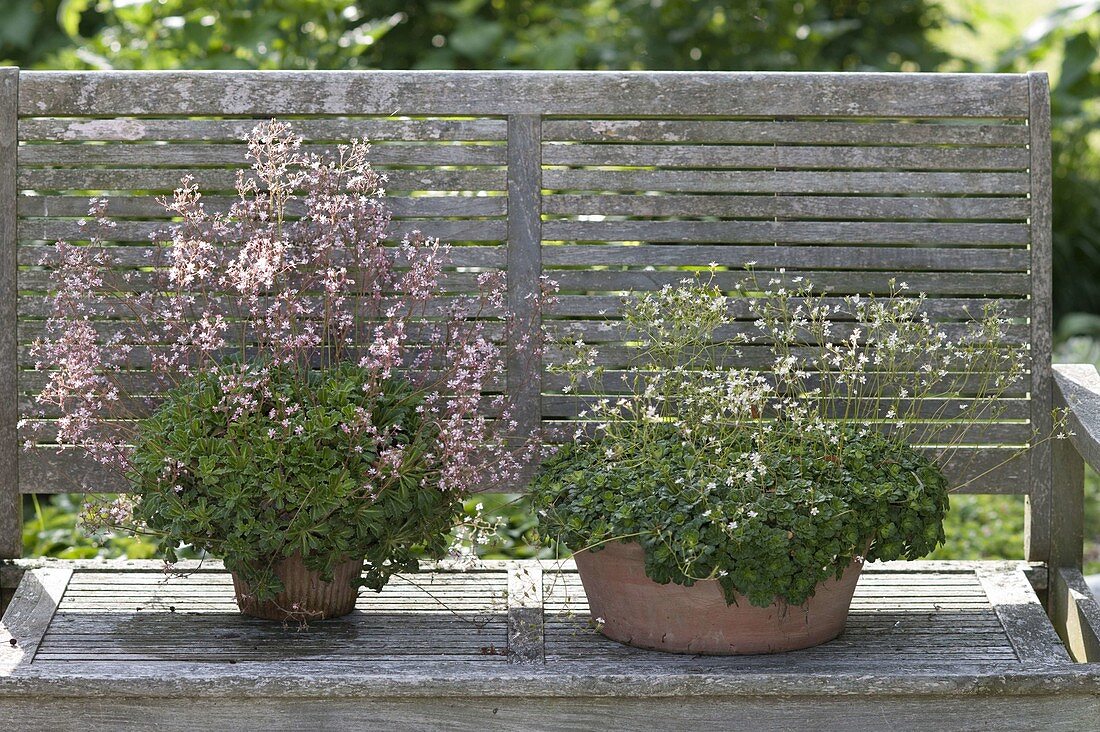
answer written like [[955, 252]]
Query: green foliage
[[983, 527], [268, 34], [815, 513], [489, 34], [515, 534], [253, 490], [50, 530], [1071, 35], [992, 527], [31, 30]]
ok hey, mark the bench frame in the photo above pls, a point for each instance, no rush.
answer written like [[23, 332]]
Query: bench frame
[[571, 693]]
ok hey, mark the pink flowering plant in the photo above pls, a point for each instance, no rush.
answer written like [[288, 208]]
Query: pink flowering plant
[[319, 392], [767, 437]]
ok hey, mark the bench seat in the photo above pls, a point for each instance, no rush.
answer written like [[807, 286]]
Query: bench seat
[[510, 645]]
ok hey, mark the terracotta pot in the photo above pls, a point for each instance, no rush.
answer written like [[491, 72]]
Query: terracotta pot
[[304, 597], [640, 612]]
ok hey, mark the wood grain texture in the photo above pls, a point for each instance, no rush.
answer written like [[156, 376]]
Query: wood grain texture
[[131, 129], [524, 268], [1007, 287], [1040, 506], [27, 619], [904, 616], [787, 232], [224, 179], [11, 506], [140, 256], [711, 181], [146, 207], [1053, 713], [272, 93], [1076, 389], [156, 156], [1024, 620], [1076, 614], [526, 623], [756, 206], [898, 259], [925, 648], [787, 132], [51, 229], [838, 282], [804, 157]]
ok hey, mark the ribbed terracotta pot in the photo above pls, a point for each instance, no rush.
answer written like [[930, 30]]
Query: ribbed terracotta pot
[[305, 597], [633, 609]]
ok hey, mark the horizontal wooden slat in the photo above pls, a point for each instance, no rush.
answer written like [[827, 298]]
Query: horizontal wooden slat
[[143, 256], [167, 179], [43, 470], [118, 179], [616, 381], [133, 231], [944, 283], [597, 331], [850, 258], [145, 382], [143, 280], [818, 132], [42, 306], [737, 206], [792, 232], [124, 129], [758, 181], [612, 306], [158, 155], [147, 206], [839, 157], [797, 207], [623, 281], [49, 93]]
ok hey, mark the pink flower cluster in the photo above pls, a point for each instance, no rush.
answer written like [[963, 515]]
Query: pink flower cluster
[[295, 273]]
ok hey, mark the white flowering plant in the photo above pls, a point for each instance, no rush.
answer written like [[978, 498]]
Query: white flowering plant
[[765, 437], [281, 377]]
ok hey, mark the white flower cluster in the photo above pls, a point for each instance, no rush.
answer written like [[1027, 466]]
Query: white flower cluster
[[785, 358]]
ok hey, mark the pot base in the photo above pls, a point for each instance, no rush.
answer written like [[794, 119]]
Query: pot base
[[305, 597], [631, 608]]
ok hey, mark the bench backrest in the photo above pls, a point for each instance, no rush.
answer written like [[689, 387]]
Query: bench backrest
[[609, 182]]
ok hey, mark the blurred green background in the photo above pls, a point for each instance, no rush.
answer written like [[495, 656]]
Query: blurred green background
[[821, 35]]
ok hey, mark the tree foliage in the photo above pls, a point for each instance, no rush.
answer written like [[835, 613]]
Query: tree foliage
[[1071, 33], [485, 34]]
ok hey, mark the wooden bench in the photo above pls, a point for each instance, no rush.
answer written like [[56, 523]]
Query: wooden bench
[[609, 182]]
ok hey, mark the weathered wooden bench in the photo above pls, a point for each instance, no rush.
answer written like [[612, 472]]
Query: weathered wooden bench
[[610, 182]]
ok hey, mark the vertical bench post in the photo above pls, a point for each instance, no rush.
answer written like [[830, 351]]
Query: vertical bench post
[[1040, 503], [524, 261], [11, 508]]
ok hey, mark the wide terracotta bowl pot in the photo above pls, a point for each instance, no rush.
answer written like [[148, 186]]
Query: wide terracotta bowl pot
[[633, 609], [305, 597]]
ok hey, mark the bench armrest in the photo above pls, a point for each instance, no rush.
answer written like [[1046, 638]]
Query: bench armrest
[[1073, 610], [1077, 388]]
